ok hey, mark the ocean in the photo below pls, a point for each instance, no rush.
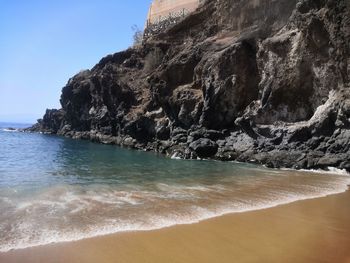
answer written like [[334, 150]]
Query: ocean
[[54, 189]]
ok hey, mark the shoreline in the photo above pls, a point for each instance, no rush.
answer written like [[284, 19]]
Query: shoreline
[[120, 141], [197, 219], [322, 215]]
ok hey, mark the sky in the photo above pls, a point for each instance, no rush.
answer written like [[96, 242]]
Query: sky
[[45, 42]]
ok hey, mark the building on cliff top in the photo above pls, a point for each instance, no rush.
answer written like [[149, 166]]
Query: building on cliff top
[[163, 13]]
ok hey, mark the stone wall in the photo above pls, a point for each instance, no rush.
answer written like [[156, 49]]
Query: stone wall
[[161, 10], [165, 13]]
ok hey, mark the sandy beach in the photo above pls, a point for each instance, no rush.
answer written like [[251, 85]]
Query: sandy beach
[[316, 230]]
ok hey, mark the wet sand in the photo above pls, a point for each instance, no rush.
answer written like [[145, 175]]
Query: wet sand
[[316, 230]]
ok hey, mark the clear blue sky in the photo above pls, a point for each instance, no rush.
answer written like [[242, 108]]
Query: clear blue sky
[[45, 42]]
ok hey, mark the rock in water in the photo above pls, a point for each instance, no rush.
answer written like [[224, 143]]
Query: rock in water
[[204, 148]]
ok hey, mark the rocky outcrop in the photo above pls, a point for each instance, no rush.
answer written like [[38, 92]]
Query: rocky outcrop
[[50, 123], [255, 81]]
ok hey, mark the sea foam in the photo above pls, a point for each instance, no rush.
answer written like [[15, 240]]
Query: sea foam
[[72, 202]]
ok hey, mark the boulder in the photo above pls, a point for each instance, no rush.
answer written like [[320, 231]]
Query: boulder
[[204, 148]]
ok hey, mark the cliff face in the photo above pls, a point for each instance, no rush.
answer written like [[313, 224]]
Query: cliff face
[[255, 80]]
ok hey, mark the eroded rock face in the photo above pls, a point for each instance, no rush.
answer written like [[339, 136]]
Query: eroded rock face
[[230, 81], [260, 81]]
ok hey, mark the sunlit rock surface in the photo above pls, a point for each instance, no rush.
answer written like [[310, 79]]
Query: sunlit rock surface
[[258, 80]]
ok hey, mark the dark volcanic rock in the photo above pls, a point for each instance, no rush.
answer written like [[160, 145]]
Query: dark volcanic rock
[[257, 80], [51, 123], [204, 148]]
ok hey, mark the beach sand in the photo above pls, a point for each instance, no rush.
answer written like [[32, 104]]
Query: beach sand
[[316, 230]]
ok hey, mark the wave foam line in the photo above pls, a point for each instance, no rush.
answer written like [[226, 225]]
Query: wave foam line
[[199, 215], [9, 130]]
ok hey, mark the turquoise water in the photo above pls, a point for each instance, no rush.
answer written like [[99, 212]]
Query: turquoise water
[[54, 189]]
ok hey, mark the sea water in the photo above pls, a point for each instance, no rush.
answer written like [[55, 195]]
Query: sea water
[[54, 189]]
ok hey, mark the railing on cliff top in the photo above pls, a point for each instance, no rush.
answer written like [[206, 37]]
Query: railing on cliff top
[[165, 21]]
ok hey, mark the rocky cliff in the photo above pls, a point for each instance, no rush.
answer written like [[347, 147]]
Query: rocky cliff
[[249, 80]]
